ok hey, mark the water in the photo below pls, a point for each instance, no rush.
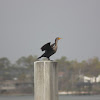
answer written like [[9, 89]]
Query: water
[[91, 97]]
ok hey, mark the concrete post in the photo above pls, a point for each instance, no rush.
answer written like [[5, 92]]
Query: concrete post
[[45, 80]]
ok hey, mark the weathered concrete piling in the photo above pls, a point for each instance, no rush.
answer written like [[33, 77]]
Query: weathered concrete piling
[[45, 80]]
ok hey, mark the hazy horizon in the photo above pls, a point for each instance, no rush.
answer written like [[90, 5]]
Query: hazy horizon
[[26, 25]]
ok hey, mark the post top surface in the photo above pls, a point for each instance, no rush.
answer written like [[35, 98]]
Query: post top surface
[[45, 61]]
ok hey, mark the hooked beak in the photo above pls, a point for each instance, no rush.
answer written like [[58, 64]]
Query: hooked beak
[[59, 38]]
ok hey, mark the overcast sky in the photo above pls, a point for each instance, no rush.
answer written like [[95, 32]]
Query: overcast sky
[[26, 25]]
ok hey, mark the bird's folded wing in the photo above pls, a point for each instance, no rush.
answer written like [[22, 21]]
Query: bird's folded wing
[[46, 47]]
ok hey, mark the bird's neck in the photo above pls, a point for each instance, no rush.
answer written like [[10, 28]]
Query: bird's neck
[[56, 42]]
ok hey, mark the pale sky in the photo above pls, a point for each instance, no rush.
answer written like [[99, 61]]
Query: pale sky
[[26, 25]]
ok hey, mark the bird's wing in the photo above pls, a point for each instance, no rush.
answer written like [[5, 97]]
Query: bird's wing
[[46, 47]]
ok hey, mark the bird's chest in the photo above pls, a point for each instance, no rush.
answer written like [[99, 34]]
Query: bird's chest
[[55, 48]]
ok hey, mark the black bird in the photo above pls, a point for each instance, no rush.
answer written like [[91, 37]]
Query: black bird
[[49, 49]]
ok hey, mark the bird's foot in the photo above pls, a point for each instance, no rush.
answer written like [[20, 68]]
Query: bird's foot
[[50, 59]]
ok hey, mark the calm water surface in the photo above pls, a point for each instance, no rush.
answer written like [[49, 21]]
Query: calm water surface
[[92, 97]]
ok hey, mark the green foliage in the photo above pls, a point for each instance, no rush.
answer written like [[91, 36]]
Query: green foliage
[[4, 63], [71, 71], [68, 71]]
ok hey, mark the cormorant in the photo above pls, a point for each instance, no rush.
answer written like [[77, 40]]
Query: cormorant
[[49, 49]]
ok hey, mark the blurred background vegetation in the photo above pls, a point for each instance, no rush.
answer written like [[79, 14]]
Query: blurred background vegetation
[[18, 78]]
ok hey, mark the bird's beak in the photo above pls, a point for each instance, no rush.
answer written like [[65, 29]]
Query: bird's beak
[[59, 38]]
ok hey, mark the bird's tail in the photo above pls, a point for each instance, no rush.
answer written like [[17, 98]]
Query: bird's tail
[[39, 57]]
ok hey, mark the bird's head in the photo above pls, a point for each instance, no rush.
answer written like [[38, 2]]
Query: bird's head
[[58, 38]]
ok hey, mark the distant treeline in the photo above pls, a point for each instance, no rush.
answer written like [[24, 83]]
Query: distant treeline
[[68, 73]]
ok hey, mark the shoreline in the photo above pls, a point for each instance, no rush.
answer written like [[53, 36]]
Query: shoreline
[[60, 94]]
